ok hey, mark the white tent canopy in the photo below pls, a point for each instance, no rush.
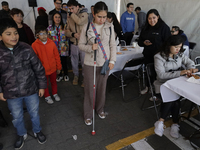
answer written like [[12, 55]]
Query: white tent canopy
[[182, 13]]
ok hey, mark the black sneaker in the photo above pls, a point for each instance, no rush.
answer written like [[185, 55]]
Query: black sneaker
[[40, 137], [20, 141]]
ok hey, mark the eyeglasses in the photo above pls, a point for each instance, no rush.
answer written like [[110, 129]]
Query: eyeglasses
[[42, 34], [58, 3], [173, 31]]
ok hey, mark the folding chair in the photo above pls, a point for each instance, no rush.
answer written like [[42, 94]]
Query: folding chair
[[191, 47], [126, 76], [151, 75]]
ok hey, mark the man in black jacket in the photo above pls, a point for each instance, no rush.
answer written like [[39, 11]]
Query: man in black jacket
[[4, 13], [58, 8], [22, 79]]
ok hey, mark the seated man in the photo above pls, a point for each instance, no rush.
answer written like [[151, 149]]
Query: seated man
[[177, 31]]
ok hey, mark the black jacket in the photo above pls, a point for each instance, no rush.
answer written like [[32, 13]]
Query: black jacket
[[156, 35], [42, 20], [21, 72], [4, 14]]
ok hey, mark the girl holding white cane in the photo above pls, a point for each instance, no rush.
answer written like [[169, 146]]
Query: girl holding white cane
[[105, 59]]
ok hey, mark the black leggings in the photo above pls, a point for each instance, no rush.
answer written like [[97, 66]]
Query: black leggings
[[64, 65], [173, 107]]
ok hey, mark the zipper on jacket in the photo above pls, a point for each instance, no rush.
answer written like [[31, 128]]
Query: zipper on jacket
[[18, 88], [76, 32]]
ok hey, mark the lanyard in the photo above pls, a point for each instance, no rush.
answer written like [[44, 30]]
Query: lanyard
[[99, 41]]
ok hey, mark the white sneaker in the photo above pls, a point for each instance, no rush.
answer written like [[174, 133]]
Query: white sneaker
[[151, 98], [159, 128], [66, 78], [57, 98], [59, 78], [144, 91], [174, 131], [49, 100]]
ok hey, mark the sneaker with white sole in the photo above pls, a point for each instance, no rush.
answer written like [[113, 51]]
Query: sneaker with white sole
[[151, 98], [57, 98], [40, 137], [20, 141], [159, 128], [144, 91], [102, 115], [59, 78], [88, 122], [49, 100], [174, 131], [66, 78]]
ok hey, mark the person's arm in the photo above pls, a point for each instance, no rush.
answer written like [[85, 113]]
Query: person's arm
[[134, 22], [159, 64], [112, 47], [189, 64], [38, 70], [122, 22], [80, 20], [83, 40], [165, 33]]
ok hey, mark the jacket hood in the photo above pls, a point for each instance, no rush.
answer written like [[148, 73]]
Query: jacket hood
[[40, 42], [82, 10]]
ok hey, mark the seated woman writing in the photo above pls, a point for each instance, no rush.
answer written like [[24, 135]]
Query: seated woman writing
[[168, 64]]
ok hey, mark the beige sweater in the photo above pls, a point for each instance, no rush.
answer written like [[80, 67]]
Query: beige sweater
[[75, 23], [110, 48]]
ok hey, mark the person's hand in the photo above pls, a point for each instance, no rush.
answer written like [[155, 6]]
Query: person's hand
[[58, 71], [111, 66], [41, 92], [77, 36], [193, 70], [185, 72], [147, 43], [94, 46], [1, 97]]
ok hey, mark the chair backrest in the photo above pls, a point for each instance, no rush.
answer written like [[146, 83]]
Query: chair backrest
[[151, 73], [123, 43], [192, 45], [197, 62], [134, 62]]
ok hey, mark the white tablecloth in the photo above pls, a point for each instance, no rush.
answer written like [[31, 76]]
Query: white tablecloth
[[174, 88], [125, 56]]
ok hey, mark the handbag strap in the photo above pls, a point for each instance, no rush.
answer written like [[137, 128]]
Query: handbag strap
[[99, 41]]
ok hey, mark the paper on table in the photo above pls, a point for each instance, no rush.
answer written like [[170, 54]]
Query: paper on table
[[193, 80]]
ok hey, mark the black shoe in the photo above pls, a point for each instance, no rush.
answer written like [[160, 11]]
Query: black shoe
[[20, 142], [1, 146], [40, 137]]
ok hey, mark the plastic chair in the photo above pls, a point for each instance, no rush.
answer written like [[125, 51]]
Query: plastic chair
[[151, 75], [123, 43], [126, 76]]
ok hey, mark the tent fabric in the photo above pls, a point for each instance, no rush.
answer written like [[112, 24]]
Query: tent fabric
[[182, 13]]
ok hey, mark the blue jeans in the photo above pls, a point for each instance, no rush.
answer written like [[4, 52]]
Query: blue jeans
[[16, 108]]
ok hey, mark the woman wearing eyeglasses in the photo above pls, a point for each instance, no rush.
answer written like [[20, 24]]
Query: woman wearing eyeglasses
[[25, 33], [154, 33], [177, 31]]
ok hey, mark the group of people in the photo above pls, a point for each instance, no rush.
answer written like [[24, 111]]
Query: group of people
[[27, 64]]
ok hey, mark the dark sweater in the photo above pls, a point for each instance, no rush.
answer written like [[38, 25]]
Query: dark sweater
[[156, 35]]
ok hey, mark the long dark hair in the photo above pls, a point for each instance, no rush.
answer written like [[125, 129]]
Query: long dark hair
[[173, 40], [61, 21], [116, 24], [100, 6], [41, 12], [155, 12]]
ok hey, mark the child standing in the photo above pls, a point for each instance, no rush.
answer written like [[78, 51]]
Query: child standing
[[21, 75], [57, 34], [47, 52]]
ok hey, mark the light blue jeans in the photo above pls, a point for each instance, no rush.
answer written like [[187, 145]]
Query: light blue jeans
[[16, 108]]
